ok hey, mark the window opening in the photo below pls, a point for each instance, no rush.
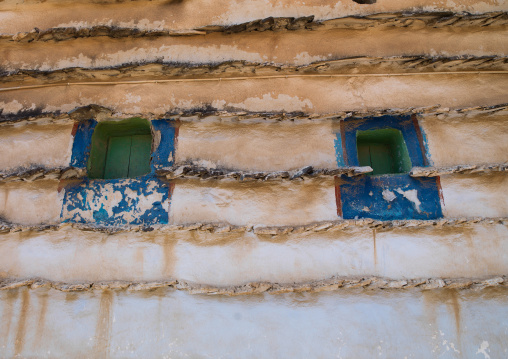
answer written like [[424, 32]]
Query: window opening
[[384, 150], [120, 149]]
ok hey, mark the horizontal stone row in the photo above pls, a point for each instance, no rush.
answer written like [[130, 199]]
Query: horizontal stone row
[[39, 173], [213, 115], [166, 70], [460, 169], [412, 20], [328, 226], [193, 171], [334, 283]]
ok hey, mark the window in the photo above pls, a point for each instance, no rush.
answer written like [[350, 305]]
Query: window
[[390, 145], [384, 150], [120, 149]]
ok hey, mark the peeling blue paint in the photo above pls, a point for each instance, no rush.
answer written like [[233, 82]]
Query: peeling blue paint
[[337, 144], [404, 197], [140, 201], [426, 146], [382, 197], [113, 202], [164, 154], [82, 143]]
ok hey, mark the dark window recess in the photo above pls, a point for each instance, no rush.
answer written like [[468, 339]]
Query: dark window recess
[[384, 150], [120, 149]]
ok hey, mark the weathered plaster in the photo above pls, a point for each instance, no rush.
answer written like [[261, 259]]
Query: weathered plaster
[[286, 203], [472, 195], [30, 203], [236, 258], [482, 138], [257, 146], [184, 15], [162, 71], [293, 48], [315, 95], [23, 147], [48, 323], [417, 20]]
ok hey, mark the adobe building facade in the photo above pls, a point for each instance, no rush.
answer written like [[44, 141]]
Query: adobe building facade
[[253, 179]]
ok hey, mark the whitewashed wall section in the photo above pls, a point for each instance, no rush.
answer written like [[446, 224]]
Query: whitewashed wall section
[[234, 258], [46, 323], [25, 146]]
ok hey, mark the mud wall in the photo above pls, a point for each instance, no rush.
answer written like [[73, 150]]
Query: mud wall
[[255, 184]]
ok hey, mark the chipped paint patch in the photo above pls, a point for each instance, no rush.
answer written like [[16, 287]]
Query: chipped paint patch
[[389, 197], [165, 132], [142, 200], [483, 349], [82, 143], [411, 195]]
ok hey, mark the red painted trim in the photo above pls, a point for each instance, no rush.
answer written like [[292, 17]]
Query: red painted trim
[[175, 140], [420, 139], [440, 191], [343, 140], [61, 185], [74, 129], [170, 195], [171, 189], [338, 200]]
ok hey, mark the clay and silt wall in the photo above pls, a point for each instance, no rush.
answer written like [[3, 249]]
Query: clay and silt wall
[[251, 179]]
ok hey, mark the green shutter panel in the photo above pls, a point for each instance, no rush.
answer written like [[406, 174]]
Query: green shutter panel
[[117, 159], [141, 148], [382, 158], [364, 155]]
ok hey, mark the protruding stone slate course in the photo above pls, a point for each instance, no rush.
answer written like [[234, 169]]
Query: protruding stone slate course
[[429, 19]]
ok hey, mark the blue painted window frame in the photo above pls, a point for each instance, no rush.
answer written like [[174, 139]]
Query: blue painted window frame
[[362, 196], [79, 194]]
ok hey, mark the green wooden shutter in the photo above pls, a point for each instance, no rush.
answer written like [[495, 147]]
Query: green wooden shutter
[[141, 148], [381, 158], [384, 150], [117, 158]]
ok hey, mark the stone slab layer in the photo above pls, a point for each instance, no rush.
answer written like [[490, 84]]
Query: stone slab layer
[[291, 48], [190, 14], [316, 95]]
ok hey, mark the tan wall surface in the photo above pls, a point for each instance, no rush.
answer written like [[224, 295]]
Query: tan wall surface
[[258, 146], [311, 95], [35, 146], [470, 195], [279, 203], [188, 14], [235, 258], [295, 47], [30, 203], [454, 140]]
